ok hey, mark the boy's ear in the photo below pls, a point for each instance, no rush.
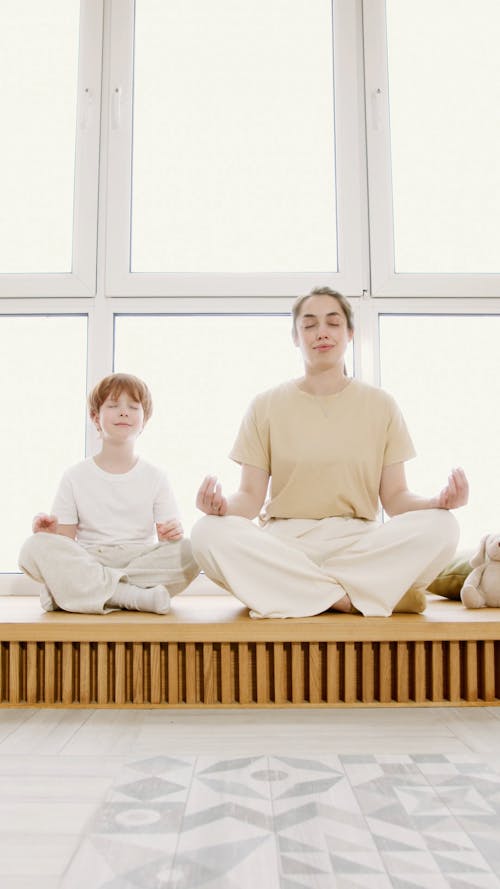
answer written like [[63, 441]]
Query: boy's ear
[[95, 420]]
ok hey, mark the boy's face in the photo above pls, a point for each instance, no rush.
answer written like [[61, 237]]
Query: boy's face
[[120, 418]]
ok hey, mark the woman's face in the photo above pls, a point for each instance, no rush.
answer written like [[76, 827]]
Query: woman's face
[[321, 333]]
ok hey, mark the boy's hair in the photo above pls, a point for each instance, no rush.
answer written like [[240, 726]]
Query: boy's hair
[[324, 291], [115, 384]]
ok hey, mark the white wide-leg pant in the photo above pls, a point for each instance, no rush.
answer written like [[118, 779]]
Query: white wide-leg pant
[[300, 567], [83, 579]]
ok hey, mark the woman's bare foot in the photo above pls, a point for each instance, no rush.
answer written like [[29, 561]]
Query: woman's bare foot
[[344, 604]]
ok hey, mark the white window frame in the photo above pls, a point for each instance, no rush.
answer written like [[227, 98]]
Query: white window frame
[[385, 282], [81, 281], [352, 276]]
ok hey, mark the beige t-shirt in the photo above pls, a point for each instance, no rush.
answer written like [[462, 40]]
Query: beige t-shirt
[[325, 454]]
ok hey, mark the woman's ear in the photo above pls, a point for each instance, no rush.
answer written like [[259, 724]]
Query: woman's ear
[[295, 338]]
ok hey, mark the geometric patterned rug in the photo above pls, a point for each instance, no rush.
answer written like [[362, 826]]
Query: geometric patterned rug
[[279, 822]]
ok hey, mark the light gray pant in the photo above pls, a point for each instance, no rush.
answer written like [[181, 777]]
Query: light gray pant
[[82, 579], [300, 567]]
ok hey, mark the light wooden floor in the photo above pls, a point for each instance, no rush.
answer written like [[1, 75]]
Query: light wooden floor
[[61, 769]]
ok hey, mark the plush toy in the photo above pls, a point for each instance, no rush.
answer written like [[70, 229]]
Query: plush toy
[[482, 586]]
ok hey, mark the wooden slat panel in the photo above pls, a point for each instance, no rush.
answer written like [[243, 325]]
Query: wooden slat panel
[[279, 661], [298, 690], [190, 673], [488, 672], [155, 667], [454, 690], [470, 691], [332, 673], [49, 673], [15, 673], [226, 674], [173, 672], [119, 673], [437, 677], [350, 674], [244, 673], [403, 673], [262, 668], [209, 675], [420, 675], [67, 673], [367, 673], [32, 672], [85, 675], [385, 673], [138, 673], [315, 683], [102, 673]]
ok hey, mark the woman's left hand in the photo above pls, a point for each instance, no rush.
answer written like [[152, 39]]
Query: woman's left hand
[[456, 492]]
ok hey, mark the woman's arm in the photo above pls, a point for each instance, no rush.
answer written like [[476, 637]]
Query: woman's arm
[[247, 501], [396, 498]]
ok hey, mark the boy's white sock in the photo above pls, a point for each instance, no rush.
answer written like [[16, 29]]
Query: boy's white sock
[[136, 598]]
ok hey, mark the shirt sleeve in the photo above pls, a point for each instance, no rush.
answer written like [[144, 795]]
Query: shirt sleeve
[[165, 505], [399, 446], [252, 445], [64, 505]]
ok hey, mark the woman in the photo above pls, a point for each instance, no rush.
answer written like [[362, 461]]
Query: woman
[[331, 448]]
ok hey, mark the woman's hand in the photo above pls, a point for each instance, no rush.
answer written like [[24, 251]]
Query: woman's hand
[[210, 498], [456, 492], [43, 522], [171, 530]]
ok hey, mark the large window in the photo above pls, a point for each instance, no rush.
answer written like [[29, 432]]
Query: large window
[[235, 154], [50, 70], [233, 157], [443, 371], [175, 172], [43, 369], [432, 84]]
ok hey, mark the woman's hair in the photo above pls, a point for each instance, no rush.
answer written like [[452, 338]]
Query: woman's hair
[[114, 385], [324, 291]]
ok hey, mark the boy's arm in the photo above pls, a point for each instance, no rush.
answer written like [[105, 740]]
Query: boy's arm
[[166, 512], [50, 525]]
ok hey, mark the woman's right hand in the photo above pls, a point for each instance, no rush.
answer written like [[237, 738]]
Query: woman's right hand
[[210, 498], [46, 523]]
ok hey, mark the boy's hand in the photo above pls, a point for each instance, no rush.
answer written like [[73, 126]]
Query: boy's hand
[[171, 530], [44, 522]]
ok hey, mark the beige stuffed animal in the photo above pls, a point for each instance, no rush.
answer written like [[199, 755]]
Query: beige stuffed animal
[[482, 586]]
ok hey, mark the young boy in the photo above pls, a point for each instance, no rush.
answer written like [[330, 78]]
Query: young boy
[[114, 539]]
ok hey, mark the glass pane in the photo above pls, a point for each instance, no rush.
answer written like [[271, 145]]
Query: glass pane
[[443, 371], [203, 372], [233, 153], [444, 89], [43, 368], [38, 72]]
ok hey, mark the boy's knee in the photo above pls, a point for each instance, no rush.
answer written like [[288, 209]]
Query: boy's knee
[[28, 554]]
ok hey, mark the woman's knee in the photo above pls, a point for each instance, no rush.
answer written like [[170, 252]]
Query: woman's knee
[[210, 529], [441, 527]]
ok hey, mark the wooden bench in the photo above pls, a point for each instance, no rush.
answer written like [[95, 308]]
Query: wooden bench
[[208, 653]]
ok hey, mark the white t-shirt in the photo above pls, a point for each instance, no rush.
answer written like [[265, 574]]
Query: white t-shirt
[[325, 454], [114, 508]]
